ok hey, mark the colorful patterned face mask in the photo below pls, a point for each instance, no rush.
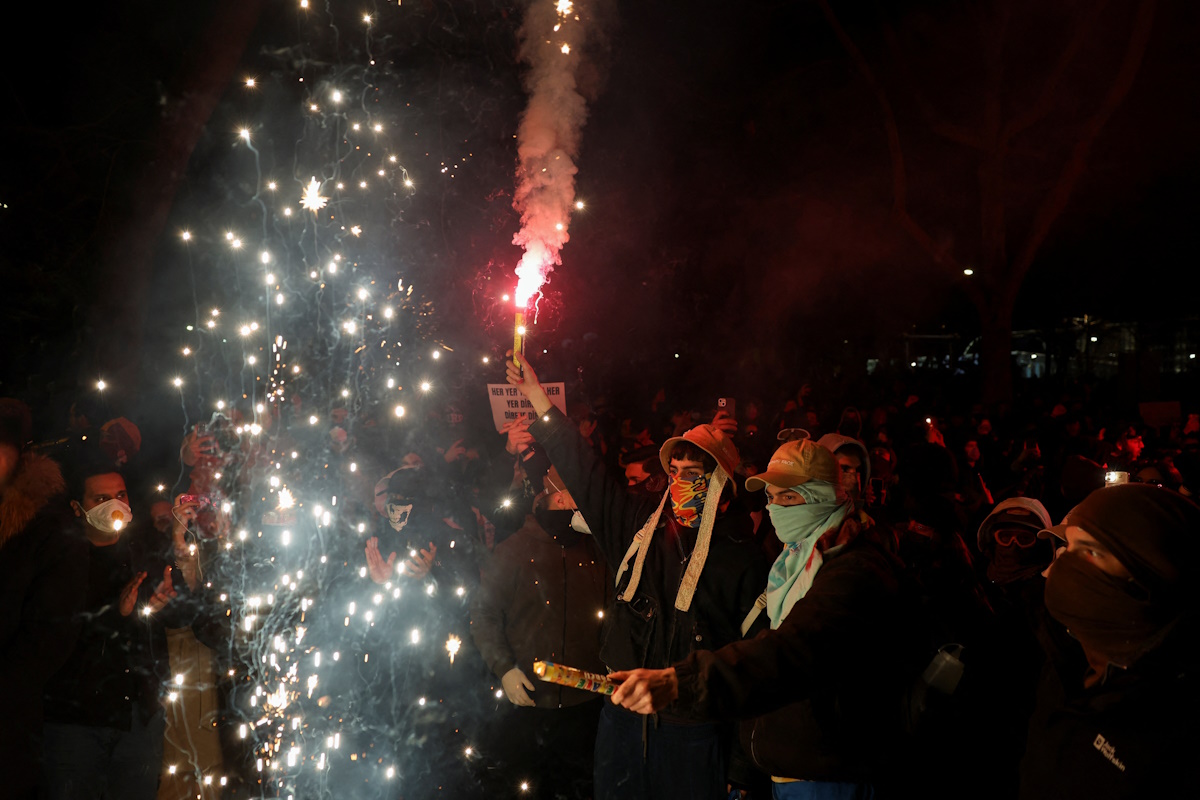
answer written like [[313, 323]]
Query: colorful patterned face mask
[[687, 499]]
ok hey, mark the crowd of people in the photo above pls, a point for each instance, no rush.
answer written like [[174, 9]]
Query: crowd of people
[[920, 600]]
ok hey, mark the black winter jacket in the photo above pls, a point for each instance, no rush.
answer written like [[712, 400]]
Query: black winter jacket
[[821, 694], [1132, 736], [541, 601], [43, 568], [650, 631], [118, 663]]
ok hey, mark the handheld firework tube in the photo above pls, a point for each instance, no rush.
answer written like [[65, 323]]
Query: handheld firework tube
[[519, 339], [550, 672]]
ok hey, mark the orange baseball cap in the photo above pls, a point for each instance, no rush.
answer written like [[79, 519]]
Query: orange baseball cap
[[794, 463]]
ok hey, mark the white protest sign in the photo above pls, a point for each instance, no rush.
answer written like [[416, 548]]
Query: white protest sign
[[508, 403]]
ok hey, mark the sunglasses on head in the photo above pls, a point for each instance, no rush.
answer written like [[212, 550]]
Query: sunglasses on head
[[1018, 537]]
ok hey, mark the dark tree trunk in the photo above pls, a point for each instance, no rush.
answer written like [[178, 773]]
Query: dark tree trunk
[[995, 353]]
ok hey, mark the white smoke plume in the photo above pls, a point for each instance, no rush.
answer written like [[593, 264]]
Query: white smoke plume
[[553, 39]]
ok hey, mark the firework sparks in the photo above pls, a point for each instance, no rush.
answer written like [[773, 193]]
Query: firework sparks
[[312, 199]]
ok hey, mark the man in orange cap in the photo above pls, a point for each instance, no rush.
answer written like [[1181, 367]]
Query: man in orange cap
[[688, 572]]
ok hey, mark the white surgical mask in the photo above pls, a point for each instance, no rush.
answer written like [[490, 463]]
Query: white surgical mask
[[578, 523], [111, 516]]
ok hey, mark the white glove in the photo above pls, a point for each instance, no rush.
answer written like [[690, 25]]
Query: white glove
[[515, 683]]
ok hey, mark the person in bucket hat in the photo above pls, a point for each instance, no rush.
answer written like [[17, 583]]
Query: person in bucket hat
[[817, 703], [687, 573]]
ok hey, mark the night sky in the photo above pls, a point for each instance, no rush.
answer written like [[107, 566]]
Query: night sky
[[740, 235], [734, 163]]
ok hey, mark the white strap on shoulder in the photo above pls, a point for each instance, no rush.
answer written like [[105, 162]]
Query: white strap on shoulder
[[759, 605], [633, 547], [691, 576], [640, 545]]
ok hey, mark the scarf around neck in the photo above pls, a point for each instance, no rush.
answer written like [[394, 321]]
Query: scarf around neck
[[799, 527]]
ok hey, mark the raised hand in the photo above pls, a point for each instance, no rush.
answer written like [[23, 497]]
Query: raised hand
[[455, 451], [129, 595], [520, 374], [418, 566], [163, 593], [725, 422], [184, 515], [379, 569], [197, 447], [519, 437]]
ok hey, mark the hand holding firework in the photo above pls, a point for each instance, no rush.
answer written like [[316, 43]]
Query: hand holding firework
[[646, 691], [550, 672], [521, 375]]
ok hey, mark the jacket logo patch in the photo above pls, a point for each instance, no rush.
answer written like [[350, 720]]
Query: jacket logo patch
[[1108, 751]]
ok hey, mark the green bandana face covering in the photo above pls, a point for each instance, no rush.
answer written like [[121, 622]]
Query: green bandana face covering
[[799, 527], [794, 523]]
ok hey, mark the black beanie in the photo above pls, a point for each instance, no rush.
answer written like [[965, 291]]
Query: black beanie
[[1154, 532]]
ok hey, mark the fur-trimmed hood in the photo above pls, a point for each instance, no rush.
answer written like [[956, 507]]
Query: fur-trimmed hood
[[38, 479]]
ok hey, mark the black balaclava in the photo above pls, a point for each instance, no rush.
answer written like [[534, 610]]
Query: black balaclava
[[1153, 533]]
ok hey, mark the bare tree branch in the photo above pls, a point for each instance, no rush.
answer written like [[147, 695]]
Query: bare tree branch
[[960, 134], [126, 253], [1056, 201], [1045, 101], [940, 255]]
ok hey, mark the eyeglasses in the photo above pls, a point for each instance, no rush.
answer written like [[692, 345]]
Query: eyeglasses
[[1018, 537]]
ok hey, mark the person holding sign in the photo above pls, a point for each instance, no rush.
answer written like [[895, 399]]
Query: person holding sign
[[688, 572]]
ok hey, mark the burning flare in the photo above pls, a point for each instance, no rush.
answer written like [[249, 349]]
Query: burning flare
[[547, 141]]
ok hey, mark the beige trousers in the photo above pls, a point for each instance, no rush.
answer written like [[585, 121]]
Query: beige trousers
[[192, 766]]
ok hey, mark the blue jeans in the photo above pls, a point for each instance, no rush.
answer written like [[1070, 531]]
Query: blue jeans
[[822, 790], [687, 762], [86, 763]]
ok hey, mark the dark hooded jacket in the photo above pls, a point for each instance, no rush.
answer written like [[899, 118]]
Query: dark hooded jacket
[[819, 695], [541, 600], [650, 631], [43, 567], [1132, 734]]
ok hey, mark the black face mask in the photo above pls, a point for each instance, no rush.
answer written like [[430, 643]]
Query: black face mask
[[1110, 616], [557, 523]]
